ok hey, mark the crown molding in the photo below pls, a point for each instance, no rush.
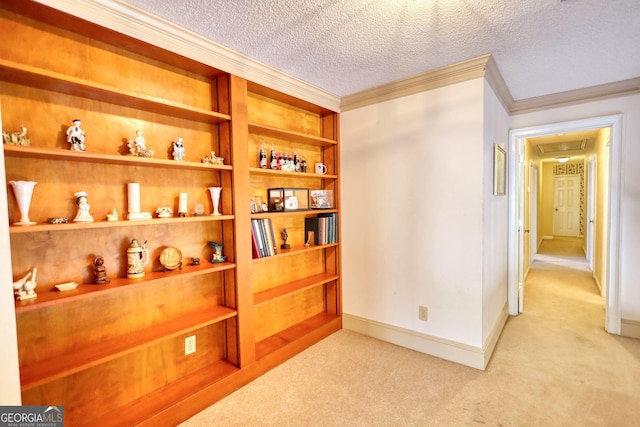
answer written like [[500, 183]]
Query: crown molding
[[136, 23], [578, 96], [482, 66]]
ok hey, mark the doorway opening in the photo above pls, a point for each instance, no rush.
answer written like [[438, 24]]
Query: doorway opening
[[521, 169]]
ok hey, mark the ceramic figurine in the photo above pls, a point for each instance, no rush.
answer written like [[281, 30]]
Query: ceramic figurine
[[16, 138], [164, 212], [138, 146], [24, 288], [100, 271], [75, 136], [217, 252], [113, 216], [83, 214], [178, 150], [213, 160]]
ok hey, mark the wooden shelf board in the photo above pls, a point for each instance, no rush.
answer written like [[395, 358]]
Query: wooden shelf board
[[32, 152], [159, 400], [36, 228], [302, 138], [307, 175], [68, 364], [295, 213], [291, 287], [49, 80], [53, 296], [290, 335], [296, 250]]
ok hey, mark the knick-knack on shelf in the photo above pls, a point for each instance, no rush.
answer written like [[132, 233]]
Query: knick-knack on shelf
[[178, 149], [285, 236], [24, 288], [217, 253], [100, 271], [75, 136], [83, 214]]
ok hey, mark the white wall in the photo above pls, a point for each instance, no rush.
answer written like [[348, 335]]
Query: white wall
[[629, 106], [414, 182], [9, 372], [495, 219]]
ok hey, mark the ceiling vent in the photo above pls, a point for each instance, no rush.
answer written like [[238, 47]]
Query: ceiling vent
[[560, 147]]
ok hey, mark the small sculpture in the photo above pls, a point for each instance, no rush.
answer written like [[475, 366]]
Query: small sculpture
[[113, 216], [285, 236], [100, 271], [195, 261], [164, 212], [178, 149], [213, 160], [217, 252], [138, 146], [16, 138], [75, 136], [83, 214], [24, 288]]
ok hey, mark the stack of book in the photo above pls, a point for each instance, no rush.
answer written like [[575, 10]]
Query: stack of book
[[264, 241], [324, 228]]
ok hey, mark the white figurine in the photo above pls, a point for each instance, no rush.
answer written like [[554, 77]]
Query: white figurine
[[83, 214], [17, 138], [178, 150], [138, 146], [113, 216], [164, 212], [25, 288], [75, 136]]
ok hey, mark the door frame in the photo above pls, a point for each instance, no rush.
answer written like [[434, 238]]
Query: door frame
[[516, 137], [592, 171]]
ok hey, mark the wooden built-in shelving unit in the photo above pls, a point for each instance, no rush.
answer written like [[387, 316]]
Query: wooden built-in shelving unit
[[114, 354]]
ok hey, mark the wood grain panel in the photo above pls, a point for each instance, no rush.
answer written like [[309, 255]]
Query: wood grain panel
[[88, 58], [280, 270], [280, 314], [126, 379], [274, 113]]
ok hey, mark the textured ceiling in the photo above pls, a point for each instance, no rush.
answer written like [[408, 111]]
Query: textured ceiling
[[345, 46]]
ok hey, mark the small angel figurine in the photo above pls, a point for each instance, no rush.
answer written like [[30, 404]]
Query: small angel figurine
[[138, 146], [178, 149]]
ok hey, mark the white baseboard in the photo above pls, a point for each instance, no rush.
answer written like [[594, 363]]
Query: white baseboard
[[464, 354], [630, 328]]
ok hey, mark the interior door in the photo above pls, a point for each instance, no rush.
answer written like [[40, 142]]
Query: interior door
[[566, 205], [533, 212]]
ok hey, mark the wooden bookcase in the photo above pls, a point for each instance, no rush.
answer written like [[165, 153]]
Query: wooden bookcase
[[113, 354]]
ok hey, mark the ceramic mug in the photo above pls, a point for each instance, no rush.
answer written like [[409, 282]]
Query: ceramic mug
[[321, 168]]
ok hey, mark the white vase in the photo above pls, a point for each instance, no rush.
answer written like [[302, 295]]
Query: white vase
[[23, 190], [215, 198]]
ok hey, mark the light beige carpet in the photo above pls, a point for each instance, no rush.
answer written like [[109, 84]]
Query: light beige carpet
[[554, 366]]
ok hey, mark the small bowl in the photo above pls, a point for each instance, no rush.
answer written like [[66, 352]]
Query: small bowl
[[67, 286]]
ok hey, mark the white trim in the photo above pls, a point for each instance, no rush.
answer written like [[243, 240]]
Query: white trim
[[612, 319], [464, 354], [141, 25]]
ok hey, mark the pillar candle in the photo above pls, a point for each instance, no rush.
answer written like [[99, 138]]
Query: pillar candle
[[133, 189]]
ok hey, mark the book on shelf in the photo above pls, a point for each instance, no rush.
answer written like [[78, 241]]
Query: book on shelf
[[263, 238], [324, 228]]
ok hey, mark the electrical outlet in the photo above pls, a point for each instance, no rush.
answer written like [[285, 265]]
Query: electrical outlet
[[190, 345], [423, 313]]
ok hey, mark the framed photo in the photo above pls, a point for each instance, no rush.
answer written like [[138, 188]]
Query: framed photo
[[499, 170]]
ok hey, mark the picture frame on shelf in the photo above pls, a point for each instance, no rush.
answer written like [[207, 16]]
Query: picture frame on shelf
[[499, 170]]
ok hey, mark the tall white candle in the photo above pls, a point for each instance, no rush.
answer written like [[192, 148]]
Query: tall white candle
[[182, 203], [133, 190]]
